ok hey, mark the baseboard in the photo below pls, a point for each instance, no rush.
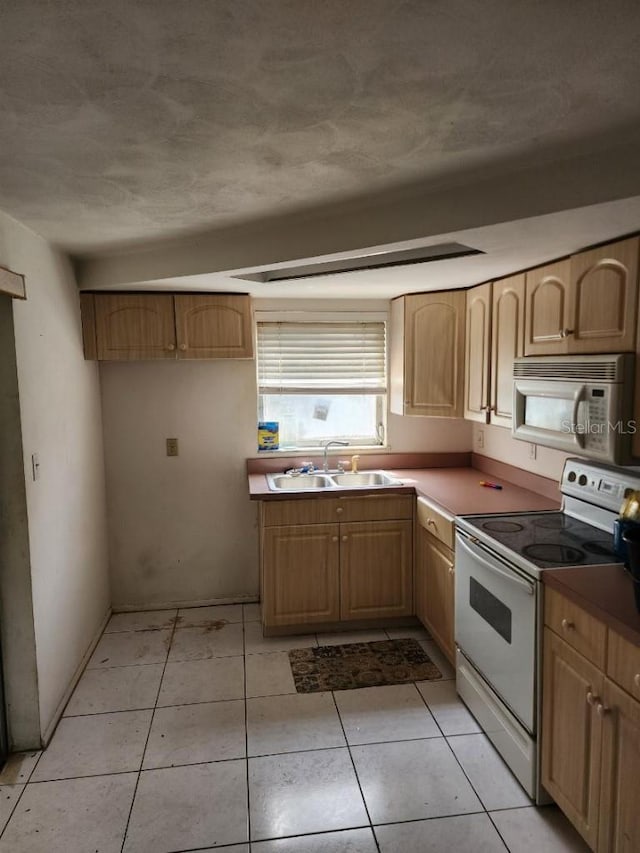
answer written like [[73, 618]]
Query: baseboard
[[47, 734], [172, 605]]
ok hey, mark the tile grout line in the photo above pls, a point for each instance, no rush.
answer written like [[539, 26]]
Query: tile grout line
[[146, 743], [246, 729], [494, 825], [355, 771], [22, 792]]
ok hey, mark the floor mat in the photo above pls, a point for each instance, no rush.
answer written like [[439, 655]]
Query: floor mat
[[361, 665]]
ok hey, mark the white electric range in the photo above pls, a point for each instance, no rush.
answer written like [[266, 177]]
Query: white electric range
[[499, 609]]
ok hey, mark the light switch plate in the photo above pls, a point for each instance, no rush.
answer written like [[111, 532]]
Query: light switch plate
[[172, 447], [480, 439], [35, 466]]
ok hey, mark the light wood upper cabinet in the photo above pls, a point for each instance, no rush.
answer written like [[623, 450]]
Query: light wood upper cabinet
[[477, 353], [130, 326], [376, 574], [585, 304], [572, 734], [435, 590], [547, 309], [301, 584], [213, 326], [427, 354], [134, 326], [604, 298], [619, 829], [507, 343]]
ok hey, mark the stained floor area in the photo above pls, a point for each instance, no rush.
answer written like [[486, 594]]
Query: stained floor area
[[185, 733]]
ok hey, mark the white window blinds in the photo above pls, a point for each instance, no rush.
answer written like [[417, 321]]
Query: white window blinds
[[328, 358]]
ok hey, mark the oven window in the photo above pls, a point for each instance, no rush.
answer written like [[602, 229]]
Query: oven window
[[490, 608], [548, 412]]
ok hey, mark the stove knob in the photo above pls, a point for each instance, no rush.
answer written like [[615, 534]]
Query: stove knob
[[582, 480], [571, 476]]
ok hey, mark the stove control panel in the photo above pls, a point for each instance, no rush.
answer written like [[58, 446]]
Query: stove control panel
[[602, 485]]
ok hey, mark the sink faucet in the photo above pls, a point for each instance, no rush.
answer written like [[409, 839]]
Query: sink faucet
[[325, 462]]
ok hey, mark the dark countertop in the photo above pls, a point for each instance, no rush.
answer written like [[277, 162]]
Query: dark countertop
[[455, 490], [605, 592]]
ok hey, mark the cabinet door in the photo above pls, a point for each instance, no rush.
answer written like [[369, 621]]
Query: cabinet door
[[435, 590], [434, 354], [604, 290], [572, 734], [133, 326], [477, 353], [619, 804], [300, 574], [376, 574], [213, 326], [507, 343], [547, 309]]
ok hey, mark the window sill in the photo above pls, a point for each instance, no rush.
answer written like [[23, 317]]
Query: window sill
[[318, 451]]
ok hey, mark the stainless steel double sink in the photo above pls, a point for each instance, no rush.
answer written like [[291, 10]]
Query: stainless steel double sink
[[320, 481]]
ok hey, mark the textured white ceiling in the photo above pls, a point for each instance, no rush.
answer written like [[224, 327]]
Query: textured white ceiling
[[132, 120]]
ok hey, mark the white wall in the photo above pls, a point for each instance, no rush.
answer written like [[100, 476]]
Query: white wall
[[498, 443], [182, 529], [61, 422]]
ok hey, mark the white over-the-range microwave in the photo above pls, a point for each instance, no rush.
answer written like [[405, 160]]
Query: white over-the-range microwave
[[582, 404]]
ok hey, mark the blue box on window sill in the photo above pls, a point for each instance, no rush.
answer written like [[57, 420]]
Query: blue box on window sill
[[268, 435]]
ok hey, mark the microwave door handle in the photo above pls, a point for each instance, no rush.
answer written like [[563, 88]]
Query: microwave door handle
[[579, 436], [476, 555]]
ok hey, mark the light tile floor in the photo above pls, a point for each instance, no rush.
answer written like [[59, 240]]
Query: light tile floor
[[185, 733]]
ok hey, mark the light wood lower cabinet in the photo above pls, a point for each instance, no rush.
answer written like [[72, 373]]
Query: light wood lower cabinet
[[435, 590], [301, 581], [619, 830], [325, 572], [375, 569], [572, 734], [591, 732]]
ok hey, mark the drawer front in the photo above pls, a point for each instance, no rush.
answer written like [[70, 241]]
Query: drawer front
[[578, 628], [435, 522], [278, 513], [374, 508], [623, 663]]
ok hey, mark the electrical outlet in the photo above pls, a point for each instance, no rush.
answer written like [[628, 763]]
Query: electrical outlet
[[172, 447], [480, 439], [533, 450]]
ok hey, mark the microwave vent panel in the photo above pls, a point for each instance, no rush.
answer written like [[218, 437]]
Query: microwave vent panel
[[572, 368]]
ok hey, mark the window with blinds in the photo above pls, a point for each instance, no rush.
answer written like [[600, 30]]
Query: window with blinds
[[323, 381]]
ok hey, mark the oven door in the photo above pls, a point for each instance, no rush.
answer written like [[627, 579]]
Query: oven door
[[495, 624]]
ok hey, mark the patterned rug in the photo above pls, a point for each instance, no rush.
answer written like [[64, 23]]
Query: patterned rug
[[360, 665]]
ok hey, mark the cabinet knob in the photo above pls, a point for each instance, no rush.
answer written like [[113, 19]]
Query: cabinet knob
[[339, 509], [566, 332], [183, 347], [344, 538], [591, 699], [601, 709], [334, 538], [431, 522], [451, 570], [636, 679], [171, 347], [567, 625]]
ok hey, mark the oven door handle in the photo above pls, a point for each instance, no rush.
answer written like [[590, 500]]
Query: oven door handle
[[510, 576]]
